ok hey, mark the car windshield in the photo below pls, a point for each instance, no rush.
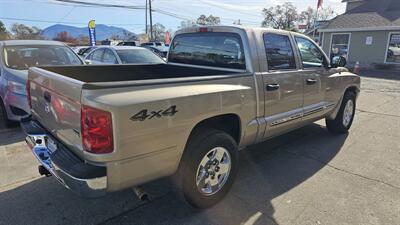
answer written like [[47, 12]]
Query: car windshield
[[138, 56], [23, 57]]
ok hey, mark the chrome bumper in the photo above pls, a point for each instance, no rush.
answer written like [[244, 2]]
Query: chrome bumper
[[59, 161]]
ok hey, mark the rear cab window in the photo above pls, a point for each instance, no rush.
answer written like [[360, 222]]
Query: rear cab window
[[279, 51], [214, 49]]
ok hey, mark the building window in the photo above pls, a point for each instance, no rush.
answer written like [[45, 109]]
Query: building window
[[393, 51], [340, 45]]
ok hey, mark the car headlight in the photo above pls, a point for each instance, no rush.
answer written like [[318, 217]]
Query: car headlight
[[16, 88]]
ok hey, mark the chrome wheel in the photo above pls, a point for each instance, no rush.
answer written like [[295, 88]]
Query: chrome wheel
[[213, 171], [348, 113]]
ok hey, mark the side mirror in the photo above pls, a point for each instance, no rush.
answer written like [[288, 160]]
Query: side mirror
[[88, 62], [338, 61]]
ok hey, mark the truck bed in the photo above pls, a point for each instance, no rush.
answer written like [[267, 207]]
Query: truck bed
[[118, 73]]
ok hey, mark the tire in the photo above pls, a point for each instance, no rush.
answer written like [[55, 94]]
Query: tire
[[198, 159], [4, 118], [344, 119]]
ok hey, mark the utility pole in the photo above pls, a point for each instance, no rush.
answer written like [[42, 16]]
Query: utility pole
[[151, 22], [146, 17]]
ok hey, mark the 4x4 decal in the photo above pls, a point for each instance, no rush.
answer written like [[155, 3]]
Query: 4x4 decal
[[144, 114]]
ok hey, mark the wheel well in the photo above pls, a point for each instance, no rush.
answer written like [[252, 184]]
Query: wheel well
[[229, 123], [353, 89]]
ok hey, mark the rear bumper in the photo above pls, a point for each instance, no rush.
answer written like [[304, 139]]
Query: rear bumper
[[81, 178]]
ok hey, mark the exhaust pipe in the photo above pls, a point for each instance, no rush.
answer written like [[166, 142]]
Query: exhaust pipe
[[140, 193], [43, 171]]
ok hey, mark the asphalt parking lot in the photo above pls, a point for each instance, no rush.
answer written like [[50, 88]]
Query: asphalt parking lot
[[308, 176]]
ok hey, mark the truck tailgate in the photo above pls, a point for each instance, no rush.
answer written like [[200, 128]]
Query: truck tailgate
[[56, 105]]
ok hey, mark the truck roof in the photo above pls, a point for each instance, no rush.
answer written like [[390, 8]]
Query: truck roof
[[232, 28], [30, 42]]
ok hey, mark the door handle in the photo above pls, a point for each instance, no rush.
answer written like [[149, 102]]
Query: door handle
[[272, 87], [311, 81]]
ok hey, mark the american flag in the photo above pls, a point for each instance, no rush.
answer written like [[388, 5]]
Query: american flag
[[319, 4]]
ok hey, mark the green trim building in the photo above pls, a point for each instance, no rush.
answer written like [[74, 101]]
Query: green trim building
[[368, 32]]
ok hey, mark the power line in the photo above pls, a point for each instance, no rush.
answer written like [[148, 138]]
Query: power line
[[101, 4], [133, 7], [66, 15], [227, 8], [124, 7], [50, 21]]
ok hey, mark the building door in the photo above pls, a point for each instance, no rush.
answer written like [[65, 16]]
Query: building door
[[393, 50]]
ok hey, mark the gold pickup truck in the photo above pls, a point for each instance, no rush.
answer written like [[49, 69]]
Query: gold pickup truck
[[105, 128]]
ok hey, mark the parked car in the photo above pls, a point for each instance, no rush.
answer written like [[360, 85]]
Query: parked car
[[127, 43], [16, 56], [221, 91], [162, 54], [122, 55], [79, 49], [158, 45], [84, 52]]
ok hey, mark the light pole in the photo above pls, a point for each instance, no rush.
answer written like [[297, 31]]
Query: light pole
[[146, 17], [151, 22]]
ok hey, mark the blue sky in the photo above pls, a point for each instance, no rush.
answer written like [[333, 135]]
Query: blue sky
[[44, 13]]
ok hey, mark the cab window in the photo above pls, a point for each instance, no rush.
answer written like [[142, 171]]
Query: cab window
[[310, 54], [214, 49], [279, 52]]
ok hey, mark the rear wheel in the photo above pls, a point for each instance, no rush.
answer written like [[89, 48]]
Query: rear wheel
[[345, 116], [209, 167]]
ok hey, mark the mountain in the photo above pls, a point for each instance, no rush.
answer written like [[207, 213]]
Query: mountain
[[102, 31]]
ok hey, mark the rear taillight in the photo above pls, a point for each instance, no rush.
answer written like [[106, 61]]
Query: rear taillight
[[96, 130], [28, 93]]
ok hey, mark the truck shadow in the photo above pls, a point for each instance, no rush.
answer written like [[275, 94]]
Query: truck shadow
[[267, 170], [11, 136]]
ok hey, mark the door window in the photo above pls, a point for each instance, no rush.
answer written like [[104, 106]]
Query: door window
[[340, 45], [310, 54], [109, 57], [279, 52], [393, 51]]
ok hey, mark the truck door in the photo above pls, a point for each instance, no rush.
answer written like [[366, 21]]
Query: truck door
[[314, 69], [283, 84]]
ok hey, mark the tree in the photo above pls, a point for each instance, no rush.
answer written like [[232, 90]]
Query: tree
[[127, 35], [115, 37], [326, 13], [210, 20], [22, 31], [281, 16], [143, 38], [83, 40], [309, 15], [187, 23], [65, 37], [158, 32], [4, 34]]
